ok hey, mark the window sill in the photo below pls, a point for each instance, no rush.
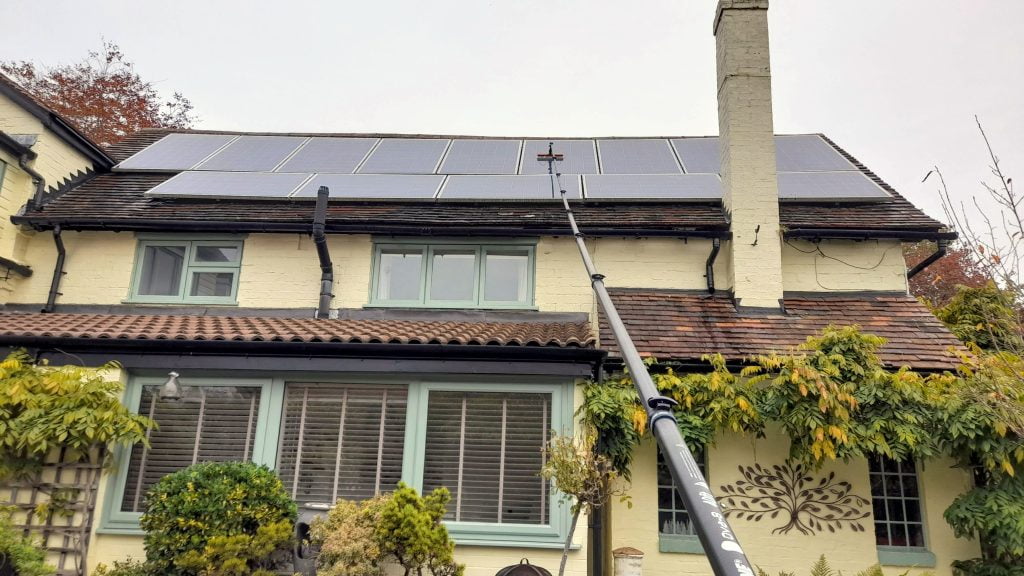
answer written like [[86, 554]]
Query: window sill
[[679, 544], [459, 306], [899, 556], [158, 303]]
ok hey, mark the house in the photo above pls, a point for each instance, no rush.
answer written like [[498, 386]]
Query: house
[[433, 327]]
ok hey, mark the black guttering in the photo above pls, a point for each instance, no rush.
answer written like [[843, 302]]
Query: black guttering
[[709, 266], [867, 234], [14, 147], [20, 269], [58, 271], [323, 309], [940, 251], [53, 121], [256, 226]]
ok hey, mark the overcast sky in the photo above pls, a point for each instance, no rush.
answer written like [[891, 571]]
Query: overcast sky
[[896, 83]]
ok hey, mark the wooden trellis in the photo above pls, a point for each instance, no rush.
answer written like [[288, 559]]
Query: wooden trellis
[[68, 488]]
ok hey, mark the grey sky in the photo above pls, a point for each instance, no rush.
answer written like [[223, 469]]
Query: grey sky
[[896, 83]]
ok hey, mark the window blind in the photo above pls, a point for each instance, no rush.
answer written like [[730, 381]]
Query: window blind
[[485, 447], [208, 423], [341, 441]]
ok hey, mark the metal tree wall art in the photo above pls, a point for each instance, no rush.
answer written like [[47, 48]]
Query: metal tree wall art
[[789, 490]]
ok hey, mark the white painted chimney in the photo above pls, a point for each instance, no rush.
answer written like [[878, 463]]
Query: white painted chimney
[[746, 136]]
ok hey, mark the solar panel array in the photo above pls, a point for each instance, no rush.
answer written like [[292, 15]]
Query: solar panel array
[[482, 169]]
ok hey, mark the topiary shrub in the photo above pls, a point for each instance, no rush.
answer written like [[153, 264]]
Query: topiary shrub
[[218, 518], [403, 528]]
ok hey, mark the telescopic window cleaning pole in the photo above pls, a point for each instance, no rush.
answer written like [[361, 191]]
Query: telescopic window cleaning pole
[[716, 536]]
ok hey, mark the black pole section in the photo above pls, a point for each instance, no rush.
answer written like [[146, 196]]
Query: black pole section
[[58, 271], [709, 266], [943, 245], [323, 309], [716, 536]]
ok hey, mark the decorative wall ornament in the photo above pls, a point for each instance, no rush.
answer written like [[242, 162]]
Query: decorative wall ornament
[[789, 490]]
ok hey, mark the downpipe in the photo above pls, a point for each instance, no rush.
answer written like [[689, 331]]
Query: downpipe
[[721, 547], [37, 178], [942, 247], [323, 309], [709, 266], [58, 271]]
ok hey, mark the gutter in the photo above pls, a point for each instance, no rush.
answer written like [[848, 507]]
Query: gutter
[[868, 234], [256, 226], [943, 246], [709, 266], [323, 310], [58, 271]]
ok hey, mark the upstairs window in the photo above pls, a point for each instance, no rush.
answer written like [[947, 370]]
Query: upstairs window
[[453, 275], [187, 271]]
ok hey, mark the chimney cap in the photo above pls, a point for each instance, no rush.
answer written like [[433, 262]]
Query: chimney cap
[[736, 5]]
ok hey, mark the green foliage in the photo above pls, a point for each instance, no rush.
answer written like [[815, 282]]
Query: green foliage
[[128, 567], [983, 567], [218, 518], [360, 539], [986, 317], [23, 554], [44, 408], [822, 568], [995, 513], [611, 407]]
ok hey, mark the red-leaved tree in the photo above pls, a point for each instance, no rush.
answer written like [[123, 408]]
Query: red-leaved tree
[[102, 94], [938, 283]]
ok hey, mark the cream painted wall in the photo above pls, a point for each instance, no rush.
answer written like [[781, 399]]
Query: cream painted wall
[[846, 265], [98, 266], [845, 550]]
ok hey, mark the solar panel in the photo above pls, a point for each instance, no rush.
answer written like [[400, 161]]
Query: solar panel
[[231, 185], [504, 188], [253, 154], [699, 155], [807, 153], [405, 156], [481, 157], [176, 152], [374, 186], [579, 157], [697, 187], [832, 186], [637, 156], [329, 155]]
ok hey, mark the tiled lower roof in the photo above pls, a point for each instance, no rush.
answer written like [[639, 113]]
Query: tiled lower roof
[[138, 327], [683, 326]]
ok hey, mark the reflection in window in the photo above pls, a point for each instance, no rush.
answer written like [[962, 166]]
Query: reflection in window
[[453, 275], [507, 275], [161, 270], [187, 271], [672, 515], [399, 276]]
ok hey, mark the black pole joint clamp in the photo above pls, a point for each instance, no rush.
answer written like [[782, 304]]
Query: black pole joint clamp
[[661, 406], [597, 277]]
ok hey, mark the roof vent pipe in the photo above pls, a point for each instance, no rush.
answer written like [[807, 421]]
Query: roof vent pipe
[[323, 310]]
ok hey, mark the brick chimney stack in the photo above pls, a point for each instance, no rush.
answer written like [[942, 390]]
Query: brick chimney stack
[[746, 136]]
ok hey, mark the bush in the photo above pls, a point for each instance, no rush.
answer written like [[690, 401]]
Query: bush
[[360, 539], [19, 552], [218, 518], [125, 568]]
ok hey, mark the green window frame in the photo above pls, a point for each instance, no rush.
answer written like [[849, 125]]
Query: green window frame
[[427, 251], [269, 432], [191, 266]]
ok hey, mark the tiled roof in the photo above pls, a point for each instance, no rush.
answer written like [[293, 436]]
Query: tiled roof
[[683, 326], [136, 327]]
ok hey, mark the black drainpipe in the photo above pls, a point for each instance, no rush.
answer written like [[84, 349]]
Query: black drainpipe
[[323, 310], [939, 253], [58, 271], [716, 245], [37, 199]]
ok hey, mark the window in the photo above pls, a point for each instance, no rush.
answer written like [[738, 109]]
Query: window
[[453, 275], [340, 441], [352, 440], [194, 271], [896, 503], [208, 424], [676, 532]]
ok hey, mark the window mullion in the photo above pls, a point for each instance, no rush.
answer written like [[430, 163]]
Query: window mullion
[[341, 441], [298, 448], [462, 456], [380, 440], [199, 425], [145, 455], [248, 428]]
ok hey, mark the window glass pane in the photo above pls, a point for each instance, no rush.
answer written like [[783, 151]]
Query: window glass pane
[[216, 254], [506, 276], [670, 504], [341, 442], [485, 447], [212, 284], [161, 270], [208, 424], [399, 275], [453, 275], [896, 508]]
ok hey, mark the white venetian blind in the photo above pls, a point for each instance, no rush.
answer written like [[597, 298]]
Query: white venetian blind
[[341, 441], [485, 447], [208, 424]]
